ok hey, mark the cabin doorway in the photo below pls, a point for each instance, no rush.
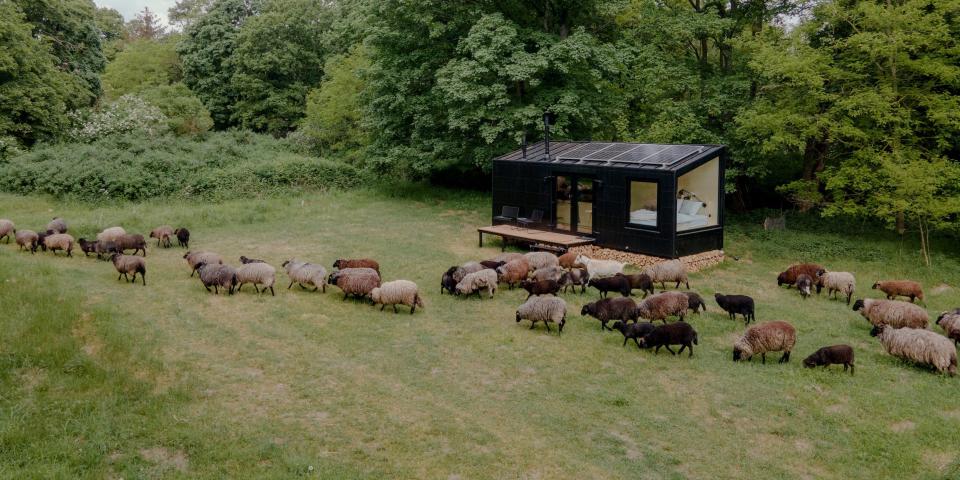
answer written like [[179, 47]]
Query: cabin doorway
[[573, 203]]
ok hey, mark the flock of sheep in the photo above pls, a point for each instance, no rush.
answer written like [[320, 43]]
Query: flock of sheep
[[900, 326]]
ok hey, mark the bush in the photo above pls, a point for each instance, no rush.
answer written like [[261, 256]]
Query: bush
[[137, 167], [186, 115], [128, 114]]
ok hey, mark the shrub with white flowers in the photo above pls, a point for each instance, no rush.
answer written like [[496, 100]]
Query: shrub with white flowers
[[127, 114]]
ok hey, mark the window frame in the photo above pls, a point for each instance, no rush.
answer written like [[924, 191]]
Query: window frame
[[629, 191]]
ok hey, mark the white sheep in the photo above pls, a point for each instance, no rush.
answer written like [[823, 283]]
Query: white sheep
[[600, 268], [548, 273], [950, 323], [6, 228], [921, 346], [257, 273], [111, 234], [543, 309], [842, 282], [477, 281], [538, 260], [304, 273], [892, 312], [669, 271], [402, 292]]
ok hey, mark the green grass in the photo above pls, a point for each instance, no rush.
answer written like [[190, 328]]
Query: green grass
[[102, 379]]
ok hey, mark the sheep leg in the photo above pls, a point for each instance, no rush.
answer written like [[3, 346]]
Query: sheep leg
[[637, 342], [413, 308], [216, 289], [383, 306], [625, 338], [691, 350], [395, 308], [532, 324], [255, 287], [143, 276], [682, 347], [851, 368], [656, 351], [547, 324], [207, 287], [344, 296], [194, 271], [669, 349], [785, 358], [291, 285], [271, 292], [118, 277], [241, 286], [763, 358]]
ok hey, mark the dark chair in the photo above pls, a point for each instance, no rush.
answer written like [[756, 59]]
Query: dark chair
[[535, 217], [508, 214]]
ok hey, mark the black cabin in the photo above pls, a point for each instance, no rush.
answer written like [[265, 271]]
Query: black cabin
[[661, 200]]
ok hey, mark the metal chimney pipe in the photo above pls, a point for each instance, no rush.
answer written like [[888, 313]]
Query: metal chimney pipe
[[523, 145], [547, 120]]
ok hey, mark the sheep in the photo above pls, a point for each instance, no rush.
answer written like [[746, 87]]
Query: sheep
[[679, 333], [491, 264], [110, 234], [842, 282], [634, 331], [895, 313], [447, 282], [343, 263], [356, 281], [804, 285], [694, 302], [574, 277], [950, 323], [466, 269], [641, 281], [403, 292], [133, 242], [474, 282], [257, 273], [544, 309], [569, 260], [195, 258], [105, 248], [900, 288], [616, 308], [87, 247], [217, 275], [540, 287], [59, 241], [663, 305], [6, 228], [130, 264], [507, 257], [617, 283], [27, 239], [737, 304], [183, 237], [766, 337], [832, 355], [789, 276], [162, 234], [513, 272], [538, 260], [548, 273], [57, 225], [920, 346], [306, 273], [670, 271], [599, 268], [42, 240], [245, 260]]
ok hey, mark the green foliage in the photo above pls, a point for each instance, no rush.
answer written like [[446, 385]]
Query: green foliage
[[185, 12], [334, 117], [136, 167], [141, 65], [128, 114], [112, 35], [185, 114]]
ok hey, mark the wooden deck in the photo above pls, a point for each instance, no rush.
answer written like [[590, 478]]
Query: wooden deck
[[511, 232]]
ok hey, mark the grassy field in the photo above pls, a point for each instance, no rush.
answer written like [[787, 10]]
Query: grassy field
[[102, 379]]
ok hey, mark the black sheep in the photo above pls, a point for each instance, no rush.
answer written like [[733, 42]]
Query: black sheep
[[617, 308], [244, 260], [832, 355], [41, 236], [542, 287], [492, 265], [641, 281], [678, 333], [87, 247], [734, 304], [636, 331], [617, 283], [105, 249], [183, 237], [447, 282], [694, 302]]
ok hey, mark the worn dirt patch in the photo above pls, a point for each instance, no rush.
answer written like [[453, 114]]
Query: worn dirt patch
[[166, 459], [943, 287], [938, 460], [629, 445], [86, 333], [903, 426]]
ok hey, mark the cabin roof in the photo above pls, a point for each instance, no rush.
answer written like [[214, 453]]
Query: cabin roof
[[647, 156]]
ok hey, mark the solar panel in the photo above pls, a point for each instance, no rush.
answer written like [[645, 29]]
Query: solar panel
[[623, 155], [670, 155]]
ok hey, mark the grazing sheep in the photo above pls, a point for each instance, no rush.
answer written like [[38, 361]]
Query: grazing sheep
[[27, 239], [540, 287], [183, 237], [895, 313], [663, 305], [513, 272], [195, 258], [635, 331], [133, 242], [569, 260], [87, 247], [356, 281], [641, 281], [616, 283], [671, 271], [402, 292], [447, 282], [599, 268], [491, 264], [245, 260], [468, 268], [737, 304], [110, 234], [842, 282], [616, 308], [766, 337], [694, 302], [304, 273], [162, 234], [257, 273], [544, 309], [104, 249], [789, 276], [950, 323], [57, 225], [59, 241], [42, 240], [507, 257], [679, 333], [548, 273], [574, 277], [129, 264], [832, 355], [804, 285], [538, 260], [920, 346], [477, 281], [900, 288], [217, 275], [343, 263], [6, 228]]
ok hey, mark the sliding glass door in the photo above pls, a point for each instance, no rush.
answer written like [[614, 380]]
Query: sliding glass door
[[573, 203]]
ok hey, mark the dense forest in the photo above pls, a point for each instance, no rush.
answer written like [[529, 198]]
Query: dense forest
[[845, 107]]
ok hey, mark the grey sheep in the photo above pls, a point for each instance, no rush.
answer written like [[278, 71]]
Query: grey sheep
[[477, 281], [194, 259], [663, 305], [895, 313], [574, 277], [670, 271], [548, 273], [57, 225], [358, 282], [804, 285], [921, 346], [129, 264], [110, 234], [403, 292], [543, 309], [59, 241], [6, 228], [837, 282], [257, 273], [538, 260], [304, 273], [27, 239], [950, 323], [133, 242], [217, 275], [766, 337]]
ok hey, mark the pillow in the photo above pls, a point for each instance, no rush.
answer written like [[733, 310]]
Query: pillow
[[690, 207]]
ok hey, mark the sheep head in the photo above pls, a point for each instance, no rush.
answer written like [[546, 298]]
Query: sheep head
[[858, 305]]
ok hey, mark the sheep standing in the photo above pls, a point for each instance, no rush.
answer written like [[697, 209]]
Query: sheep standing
[[574, 277], [616, 308], [600, 268], [544, 309], [900, 288], [641, 281], [402, 292], [569, 260], [832, 355], [548, 273], [663, 305], [447, 282], [245, 260], [766, 337], [217, 275], [616, 283], [257, 273], [129, 264], [304, 273], [27, 239], [789, 276], [59, 241], [634, 331], [513, 272], [804, 285], [162, 234], [477, 281], [694, 302], [6, 228], [670, 271], [837, 282], [194, 259], [541, 287], [110, 234], [895, 313], [679, 333], [183, 237], [538, 260], [921, 346], [950, 323], [133, 242], [104, 249], [343, 263], [507, 257], [57, 225], [736, 304], [356, 281], [87, 247]]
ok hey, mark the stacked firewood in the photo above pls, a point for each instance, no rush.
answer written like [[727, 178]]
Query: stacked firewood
[[693, 263]]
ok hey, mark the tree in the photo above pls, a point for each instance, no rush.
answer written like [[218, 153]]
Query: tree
[[112, 34], [146, 26], [185, 114], [334, 116], [185, 12], [141, 65]]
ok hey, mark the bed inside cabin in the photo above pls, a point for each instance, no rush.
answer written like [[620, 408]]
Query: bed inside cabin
[[697, 199]]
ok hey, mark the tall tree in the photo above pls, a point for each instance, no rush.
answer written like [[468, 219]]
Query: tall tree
[[141, 65], [185, 12], [146, 25]]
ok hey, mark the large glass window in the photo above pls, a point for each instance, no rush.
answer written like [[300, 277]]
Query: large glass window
[[585, 205], [643, 203], [698, 196], [564, 206]]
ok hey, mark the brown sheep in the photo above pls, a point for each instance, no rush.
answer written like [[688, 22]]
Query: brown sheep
[[162, 234], [133, 242], [513, 272], [663, 305], [900, 288], [766, 337], [344, 263], [358, 282], [790, 275], [569, 260], [59, 241]]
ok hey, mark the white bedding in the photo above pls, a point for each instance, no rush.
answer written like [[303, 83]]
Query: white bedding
[[684, 221]]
